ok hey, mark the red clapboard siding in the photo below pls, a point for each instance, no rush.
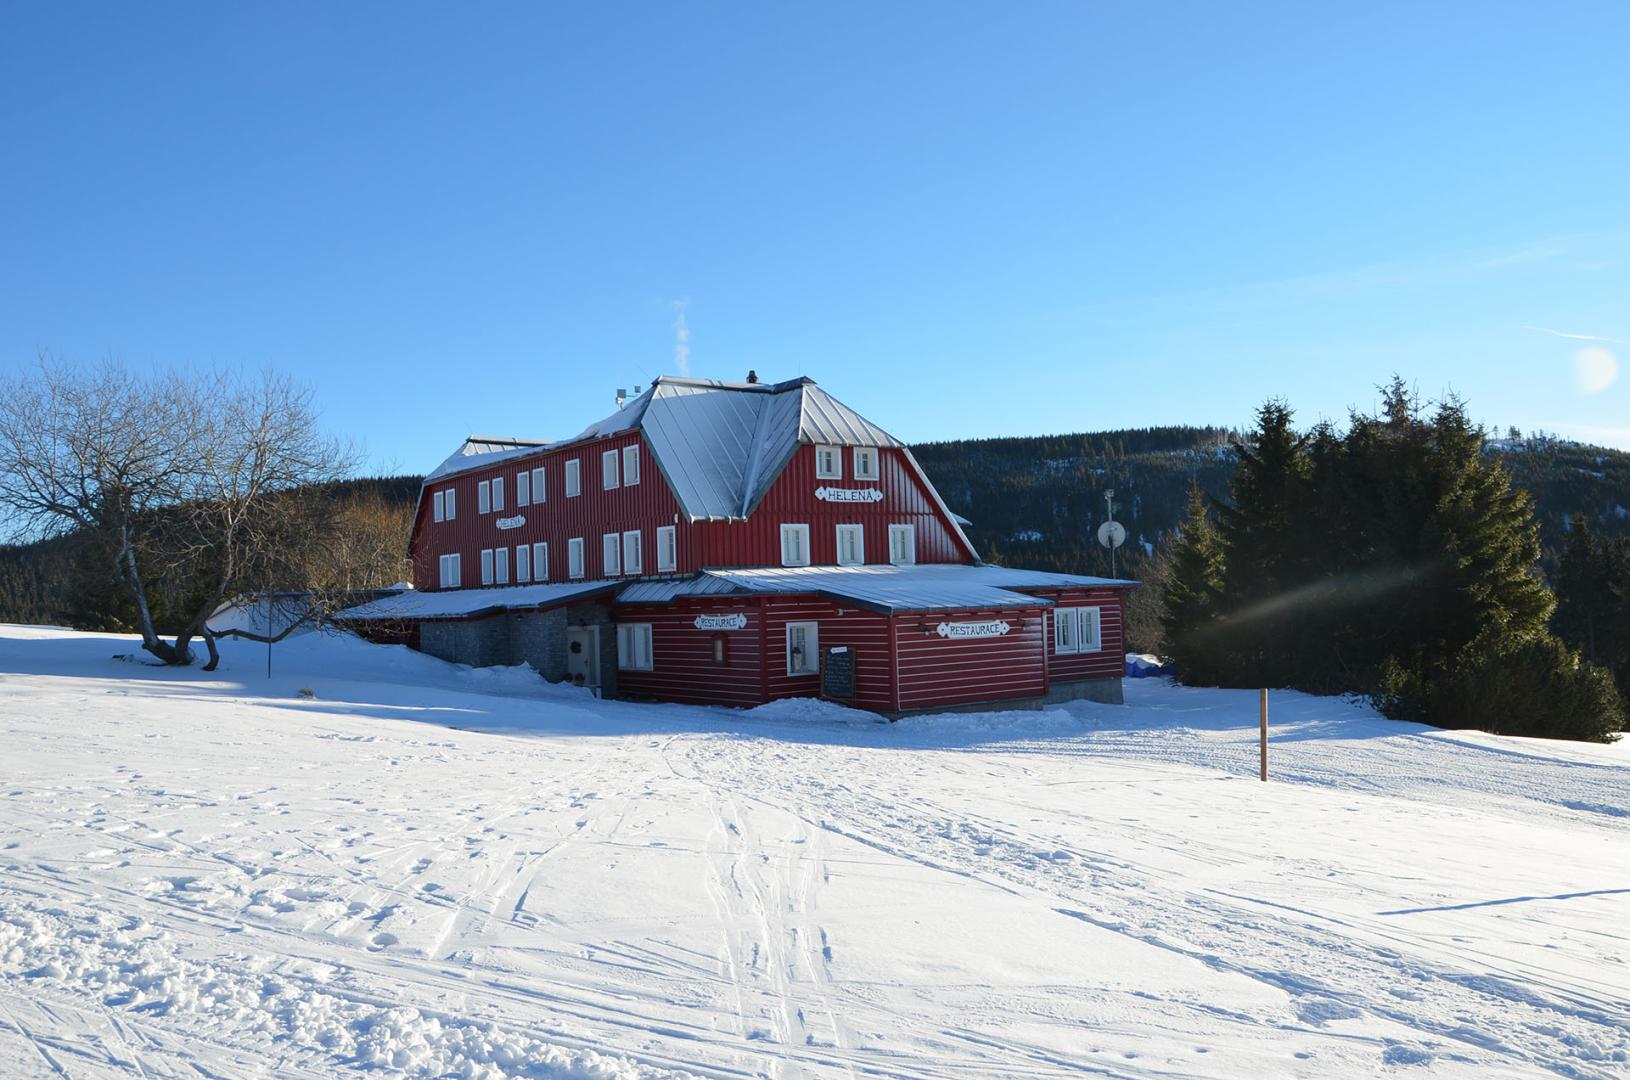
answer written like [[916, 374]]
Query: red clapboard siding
[[1107, 662], [683, 667], [791, 501], [645, 506], [938, 671], [864, 632]]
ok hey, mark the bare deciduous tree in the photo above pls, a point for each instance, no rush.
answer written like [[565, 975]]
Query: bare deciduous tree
[[204, 485]]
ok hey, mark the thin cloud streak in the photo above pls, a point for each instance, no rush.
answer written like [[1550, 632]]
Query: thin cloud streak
[[1575, 337]]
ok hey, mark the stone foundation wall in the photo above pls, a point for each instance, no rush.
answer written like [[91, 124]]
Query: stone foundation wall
[[1106, 690]]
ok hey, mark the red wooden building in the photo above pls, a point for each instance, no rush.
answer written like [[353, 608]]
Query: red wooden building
[[734, 543]]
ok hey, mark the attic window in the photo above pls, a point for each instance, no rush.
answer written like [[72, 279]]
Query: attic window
[[865, 463], [828, 463]]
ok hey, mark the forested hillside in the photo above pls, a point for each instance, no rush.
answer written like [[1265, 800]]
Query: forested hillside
[[1033, 500], [1037, 501]]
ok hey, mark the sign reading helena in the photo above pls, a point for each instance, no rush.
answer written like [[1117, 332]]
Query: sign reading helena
[[511, 522], [721, 622], [832, 494], [995, 628]]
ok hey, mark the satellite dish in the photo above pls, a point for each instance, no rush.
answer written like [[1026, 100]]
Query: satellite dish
[[1112, 534]]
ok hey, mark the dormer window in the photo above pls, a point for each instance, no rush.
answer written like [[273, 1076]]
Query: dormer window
[[865, 463], [828, 463]]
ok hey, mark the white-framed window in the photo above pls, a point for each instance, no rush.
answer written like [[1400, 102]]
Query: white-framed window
[[902, 544], [539, 491], [608, 470], [483, 498], [449, 566], [452, 505], [634, 646], [438, 504], [574, 478], [667, 549], [486, 566], [523, 563], [540, 562], [500, 559], [610, 546], [851, 545], [795, 545], [631, 466], [523, 489], [574, 558], [865, 463], [829, 463], [1076, 630], [498, 493], [633, 557], [803, 648]]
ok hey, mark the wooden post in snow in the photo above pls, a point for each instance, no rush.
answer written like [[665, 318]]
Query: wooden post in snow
[[1264, 743]]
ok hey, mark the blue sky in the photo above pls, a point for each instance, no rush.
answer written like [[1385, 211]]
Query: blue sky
[[964, 220]]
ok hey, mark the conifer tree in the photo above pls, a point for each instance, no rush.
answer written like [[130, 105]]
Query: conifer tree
[[1192, 584]]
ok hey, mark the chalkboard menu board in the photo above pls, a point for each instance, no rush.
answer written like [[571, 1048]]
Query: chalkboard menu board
[[837, 672]]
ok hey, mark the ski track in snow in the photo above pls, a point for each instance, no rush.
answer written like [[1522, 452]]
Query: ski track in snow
[[431, 871]]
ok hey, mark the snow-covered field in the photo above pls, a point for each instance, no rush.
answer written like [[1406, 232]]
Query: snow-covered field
[[435, 871]]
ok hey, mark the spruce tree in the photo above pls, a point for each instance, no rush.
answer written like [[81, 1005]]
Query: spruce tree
[[1191, 586]]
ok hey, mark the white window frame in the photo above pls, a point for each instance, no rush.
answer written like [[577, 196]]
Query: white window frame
[[906, 554], [1071, 626], [497, 494], [667, 549], [611, 554], [500, 558], [483, 498], [486, 566], [631, 465], [452, 504], [523, 563], [867, 454], [634, 647], [812, 641], [438, 506], [803, 533], [860, 545], [540, 562], [523, 489], [834, 471], [574, 558], [608, 470], [633, 544], [574, 478], [540, 486], [450, 571]]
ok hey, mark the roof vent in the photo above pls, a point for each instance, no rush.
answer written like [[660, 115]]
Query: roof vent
[[752, 378]]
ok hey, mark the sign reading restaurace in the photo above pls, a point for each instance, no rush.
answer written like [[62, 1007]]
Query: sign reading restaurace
[[832, 494], [721, 622], [511, 522], [995, 628]]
